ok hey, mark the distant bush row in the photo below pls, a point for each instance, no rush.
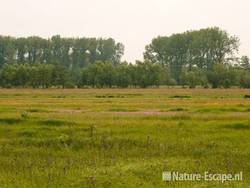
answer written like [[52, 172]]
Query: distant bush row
[[107, 74]]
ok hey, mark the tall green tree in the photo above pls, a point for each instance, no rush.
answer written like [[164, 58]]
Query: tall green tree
[[202, 48]]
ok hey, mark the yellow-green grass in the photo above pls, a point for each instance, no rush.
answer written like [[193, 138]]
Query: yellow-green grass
[[122, 137]]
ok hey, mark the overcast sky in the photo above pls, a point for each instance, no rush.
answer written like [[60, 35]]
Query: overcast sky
[[132, 22]]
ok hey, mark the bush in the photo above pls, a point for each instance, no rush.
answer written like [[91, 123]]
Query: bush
[[245, 81], [69, 85]]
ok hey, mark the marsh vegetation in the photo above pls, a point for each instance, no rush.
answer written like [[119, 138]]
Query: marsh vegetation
[[122, 137]]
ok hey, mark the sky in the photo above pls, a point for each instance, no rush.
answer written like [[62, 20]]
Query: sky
[[133, 22]]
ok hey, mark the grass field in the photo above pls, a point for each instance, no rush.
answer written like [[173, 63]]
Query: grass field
[[122, 137]]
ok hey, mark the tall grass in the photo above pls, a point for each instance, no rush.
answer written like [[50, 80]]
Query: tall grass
[[89, 139]]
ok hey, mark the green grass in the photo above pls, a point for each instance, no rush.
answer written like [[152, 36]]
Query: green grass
[[122, 137]]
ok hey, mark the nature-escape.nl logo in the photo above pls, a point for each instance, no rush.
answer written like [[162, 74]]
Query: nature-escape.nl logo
[[206, 176]]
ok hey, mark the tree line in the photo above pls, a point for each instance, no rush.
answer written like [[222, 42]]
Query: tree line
[[205, 57], [73, 53]]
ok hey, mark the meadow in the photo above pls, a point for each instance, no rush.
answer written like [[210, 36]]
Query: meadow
[[122, 137]]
